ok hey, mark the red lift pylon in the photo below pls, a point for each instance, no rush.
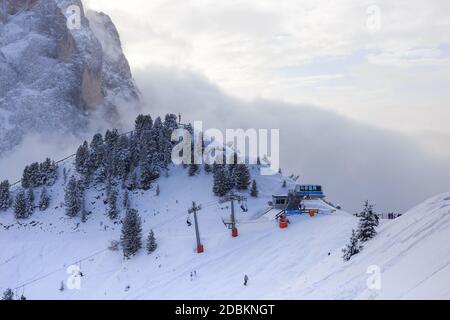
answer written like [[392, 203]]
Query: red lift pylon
[[233, 197], [194, 209]]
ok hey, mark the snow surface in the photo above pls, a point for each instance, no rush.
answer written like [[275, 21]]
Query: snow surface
[[300, 262]]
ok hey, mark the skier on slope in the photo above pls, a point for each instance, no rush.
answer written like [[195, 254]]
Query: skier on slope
[[245, 280]]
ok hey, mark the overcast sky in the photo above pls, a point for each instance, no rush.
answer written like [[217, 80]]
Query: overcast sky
[[373, 76], [384, 62]]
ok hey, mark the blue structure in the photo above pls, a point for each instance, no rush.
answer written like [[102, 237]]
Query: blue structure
[[292, 203], [309, 191]]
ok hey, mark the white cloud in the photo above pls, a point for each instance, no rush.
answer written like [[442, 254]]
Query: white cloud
[[241, 46]]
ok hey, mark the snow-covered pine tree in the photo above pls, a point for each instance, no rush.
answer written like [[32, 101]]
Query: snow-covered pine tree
[[367, 223], [170, 125], [96, 152], [193, 169], [220, 184], [126, 200], [352, 248], [110, 158], [25, 182], [131, 237], [30, 201], [44, 200], [254, 191], [151, 242], [82, 159], [157, 144], [123, 157], [142, 123], [147, 160], [20, 205], [207, 167], [241, 177], [8, 295], [72, 197], [34, 175], [5, 195], [112, 210], [48, 173]]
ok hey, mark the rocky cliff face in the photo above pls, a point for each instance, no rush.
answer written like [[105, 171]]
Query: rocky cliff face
[[57, 68]]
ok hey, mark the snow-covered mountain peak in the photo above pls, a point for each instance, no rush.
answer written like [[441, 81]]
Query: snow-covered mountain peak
[[53, 75]]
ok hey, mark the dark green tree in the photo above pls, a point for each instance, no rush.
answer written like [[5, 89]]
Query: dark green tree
[[131, 237], [151, 242], [352, 248], [254, 191]]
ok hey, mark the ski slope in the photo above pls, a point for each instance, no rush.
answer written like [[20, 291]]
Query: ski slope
[[300, 262]]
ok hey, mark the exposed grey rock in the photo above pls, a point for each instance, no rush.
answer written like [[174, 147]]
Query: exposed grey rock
[[52, 77]]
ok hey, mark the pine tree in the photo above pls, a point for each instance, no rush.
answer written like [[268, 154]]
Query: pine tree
[[193, 169], [44, 200], [284, 184], [5, 196], [254, 190], [220, 187], [241, 177], [123, 157], [352, 248], [110, 156], [32, 176], [8, 295], [151, 242], [258, 161], [20, 205], [48, 173], [26, 178], [131, 237], [112, 204], [126, 200], [207, 167], [30, 201], [82, 159], [147, 160], [97, 152], [72, 198], [367, 223], [142, 123]]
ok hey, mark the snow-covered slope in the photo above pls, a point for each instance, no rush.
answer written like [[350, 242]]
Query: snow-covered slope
[[53, 76], [412, 252], [49, 242], [303, 261]]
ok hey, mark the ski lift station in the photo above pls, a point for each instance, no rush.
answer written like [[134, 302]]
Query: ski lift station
[[295, 201], [301, 191]]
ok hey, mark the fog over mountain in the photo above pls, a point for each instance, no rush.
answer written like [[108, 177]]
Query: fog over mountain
[[352, 160]]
